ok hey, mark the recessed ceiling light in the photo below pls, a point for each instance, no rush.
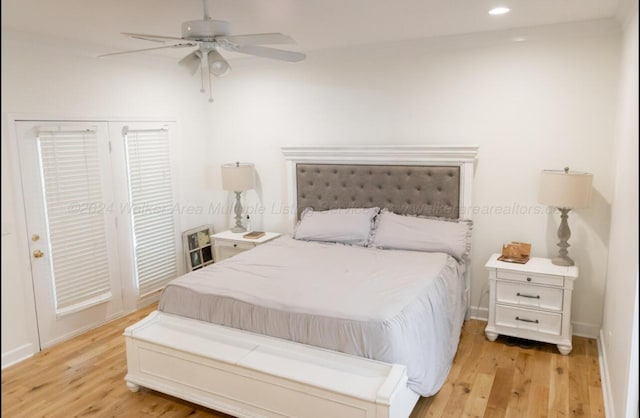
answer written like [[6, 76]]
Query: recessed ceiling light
[[499, 11]]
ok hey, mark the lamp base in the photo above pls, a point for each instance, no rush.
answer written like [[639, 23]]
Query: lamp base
[[237, 229], [562, 261], [564, 233]]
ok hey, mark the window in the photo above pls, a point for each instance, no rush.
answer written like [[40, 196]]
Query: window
[[151, 207]]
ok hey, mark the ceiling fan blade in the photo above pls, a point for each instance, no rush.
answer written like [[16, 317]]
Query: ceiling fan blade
[[147, 37], [218, 66], [273, 53], [184, 45], [191, 62], [160, 41], [259, 39]]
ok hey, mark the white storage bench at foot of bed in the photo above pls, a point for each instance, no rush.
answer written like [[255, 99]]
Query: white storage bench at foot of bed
[[251, 375]]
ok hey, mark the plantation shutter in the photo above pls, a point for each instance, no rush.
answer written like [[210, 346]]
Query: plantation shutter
[[75, 214], [151, 199]]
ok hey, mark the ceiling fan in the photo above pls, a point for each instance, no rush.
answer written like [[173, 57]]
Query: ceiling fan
[[209, 36]]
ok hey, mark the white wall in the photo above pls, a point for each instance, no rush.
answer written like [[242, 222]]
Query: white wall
[[622, 272], [544, 103], [49, 80]]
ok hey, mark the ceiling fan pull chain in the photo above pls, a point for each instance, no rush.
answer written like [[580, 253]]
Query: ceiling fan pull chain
[[210, 92], [201, 78]]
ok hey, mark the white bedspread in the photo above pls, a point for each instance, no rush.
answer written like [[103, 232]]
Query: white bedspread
[[401, 307]]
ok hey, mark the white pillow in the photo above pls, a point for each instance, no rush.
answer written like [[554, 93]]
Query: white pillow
[[422, 234], [346, 226]]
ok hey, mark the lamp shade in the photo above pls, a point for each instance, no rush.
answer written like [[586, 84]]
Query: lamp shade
[[237, 177], [565, 189]]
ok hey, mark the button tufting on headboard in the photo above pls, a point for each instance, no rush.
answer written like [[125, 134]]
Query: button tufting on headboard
[[418, 190]]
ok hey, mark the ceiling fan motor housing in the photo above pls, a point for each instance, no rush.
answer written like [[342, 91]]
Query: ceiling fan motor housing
[[205, 30]]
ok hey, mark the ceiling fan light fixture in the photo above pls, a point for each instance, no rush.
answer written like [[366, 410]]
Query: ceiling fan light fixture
[[219, 69], [191, 62], [218, 66]]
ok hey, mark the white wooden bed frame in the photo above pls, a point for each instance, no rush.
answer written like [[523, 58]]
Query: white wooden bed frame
[[250, 375]]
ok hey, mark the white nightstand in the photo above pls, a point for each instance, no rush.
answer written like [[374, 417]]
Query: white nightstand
[[227, 244], [531, 301]]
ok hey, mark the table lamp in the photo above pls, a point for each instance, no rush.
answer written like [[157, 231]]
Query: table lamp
[[564, 190], [237, 178]]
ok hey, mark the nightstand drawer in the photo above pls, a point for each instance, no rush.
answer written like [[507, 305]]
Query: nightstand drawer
[[545, 322], [222, 252], [531, 278], [528, 295], [238, 245]]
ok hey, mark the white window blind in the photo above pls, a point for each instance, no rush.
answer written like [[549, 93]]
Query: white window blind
[[151, 199], [70, 167]]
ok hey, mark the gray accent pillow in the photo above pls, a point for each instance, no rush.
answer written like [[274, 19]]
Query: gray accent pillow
[[403, 232], [347, 226]]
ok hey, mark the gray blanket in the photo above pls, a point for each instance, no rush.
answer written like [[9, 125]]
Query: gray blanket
[[403, 307]]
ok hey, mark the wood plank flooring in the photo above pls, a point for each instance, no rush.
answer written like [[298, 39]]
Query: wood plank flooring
[[85, 377]]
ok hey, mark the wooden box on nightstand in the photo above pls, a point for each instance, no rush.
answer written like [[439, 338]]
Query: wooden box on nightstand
[[531, 301], [227, 244]]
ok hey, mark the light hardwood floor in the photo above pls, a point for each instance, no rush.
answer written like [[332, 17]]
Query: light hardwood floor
[[84, 377]]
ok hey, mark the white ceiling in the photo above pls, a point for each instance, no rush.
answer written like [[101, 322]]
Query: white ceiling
[[315, 24]]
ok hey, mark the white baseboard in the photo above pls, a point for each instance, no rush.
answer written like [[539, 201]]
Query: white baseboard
[[604, 378], [17, 355], [147, 300], [581, 329], [477, 312]]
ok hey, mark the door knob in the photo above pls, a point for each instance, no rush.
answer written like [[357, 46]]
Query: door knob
[[35, 237], [38, 253]]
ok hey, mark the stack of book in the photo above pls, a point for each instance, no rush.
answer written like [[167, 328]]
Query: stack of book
[[253, 235], [516, 252]]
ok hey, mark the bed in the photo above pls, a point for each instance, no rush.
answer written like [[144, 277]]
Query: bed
[[390, 315]]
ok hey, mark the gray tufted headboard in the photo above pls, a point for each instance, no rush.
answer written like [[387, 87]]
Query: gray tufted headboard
[[405, 189], [427, 180]]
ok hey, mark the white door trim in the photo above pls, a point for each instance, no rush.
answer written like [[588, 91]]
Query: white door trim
[[21, 234]]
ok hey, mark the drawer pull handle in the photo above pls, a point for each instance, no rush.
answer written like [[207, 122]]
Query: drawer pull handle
[[235, 245], [522, 295], [527, 320], [528, 279]]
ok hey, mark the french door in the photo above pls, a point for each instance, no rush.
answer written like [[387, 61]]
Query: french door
[[102, 230], [70, 213]]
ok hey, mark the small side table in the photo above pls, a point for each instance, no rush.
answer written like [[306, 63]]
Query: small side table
[[227, 244], [531, 301]]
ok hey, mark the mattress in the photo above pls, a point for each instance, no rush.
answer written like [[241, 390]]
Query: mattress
[[404, 307]]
